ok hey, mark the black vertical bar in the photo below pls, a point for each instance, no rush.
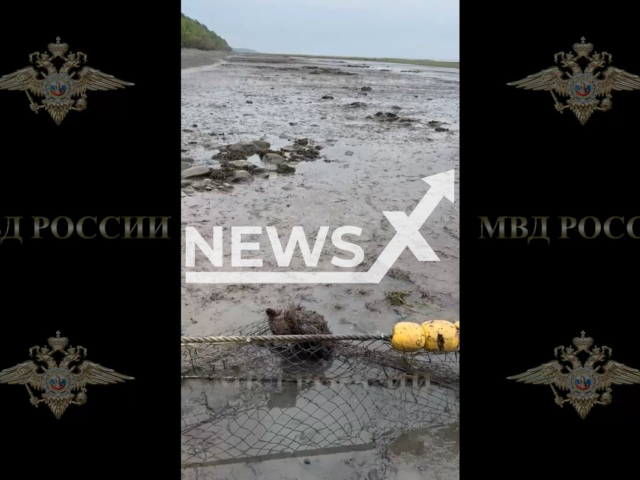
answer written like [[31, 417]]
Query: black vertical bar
[[119, 297]]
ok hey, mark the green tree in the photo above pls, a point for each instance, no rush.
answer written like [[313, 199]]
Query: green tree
[[196, 35]]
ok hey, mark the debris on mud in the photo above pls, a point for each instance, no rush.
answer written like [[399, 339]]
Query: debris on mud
[[390, 117], [285, 169], [396, 299], [357, 105], [437, 125], [399, 274]]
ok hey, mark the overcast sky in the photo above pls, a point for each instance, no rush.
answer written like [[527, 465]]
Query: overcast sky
[[426, 29]]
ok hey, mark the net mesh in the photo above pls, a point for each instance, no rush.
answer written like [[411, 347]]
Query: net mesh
[[266, 401]]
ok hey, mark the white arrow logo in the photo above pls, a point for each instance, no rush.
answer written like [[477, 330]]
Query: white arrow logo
[[407, 235]]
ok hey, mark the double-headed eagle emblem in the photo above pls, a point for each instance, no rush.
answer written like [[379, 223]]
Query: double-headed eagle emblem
[[59, 381], [582, 381], [59, 87], [589, 89]]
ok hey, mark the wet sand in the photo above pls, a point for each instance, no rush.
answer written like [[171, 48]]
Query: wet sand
[[367, 165], [199, 58]]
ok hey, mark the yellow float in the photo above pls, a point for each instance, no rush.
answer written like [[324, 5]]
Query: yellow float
[[407, 337], [441, 335]]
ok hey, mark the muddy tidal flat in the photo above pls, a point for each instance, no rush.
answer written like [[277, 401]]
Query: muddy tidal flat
[[288, 141]]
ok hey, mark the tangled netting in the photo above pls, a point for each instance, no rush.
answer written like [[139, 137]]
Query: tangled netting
[[273, 400]]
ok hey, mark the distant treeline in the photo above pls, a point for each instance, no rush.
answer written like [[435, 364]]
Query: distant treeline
[[196, 35]]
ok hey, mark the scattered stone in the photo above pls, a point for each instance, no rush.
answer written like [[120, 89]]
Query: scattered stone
[[188, 191], [293, 124], [241, 176], [262, 145], [366, 89], [357, 105], [441, 129], [187, 159], [302, 141], [196, 171], [247, 148], [249, 102], [203, 184], [327, 97], [273, 158], [395, 107], [239, 164], [348, 153], [307, 461], [229, 155]]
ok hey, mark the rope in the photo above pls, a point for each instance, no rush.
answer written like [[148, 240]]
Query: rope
[[283, 338]]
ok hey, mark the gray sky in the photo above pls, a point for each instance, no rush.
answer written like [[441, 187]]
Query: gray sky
[[426, 29]]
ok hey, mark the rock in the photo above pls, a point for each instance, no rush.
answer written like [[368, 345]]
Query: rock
[[293, 124], [302, 141], [366, 89], [185, 183], [441, 129], [348, 153], [185, 165], [395, 107], [284, 136], [307, 461], [327, 97], [247, 148], [196, 171], [241, 176], [285, 169], [249, 102], [187, 159], [273, 158], [358, 105], [188, 191], [239, 164], [262, 145]]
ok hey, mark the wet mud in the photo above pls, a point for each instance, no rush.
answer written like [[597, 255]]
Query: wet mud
[[380, 129]]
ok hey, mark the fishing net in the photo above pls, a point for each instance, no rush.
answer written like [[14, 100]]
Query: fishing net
[[251, 395]]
